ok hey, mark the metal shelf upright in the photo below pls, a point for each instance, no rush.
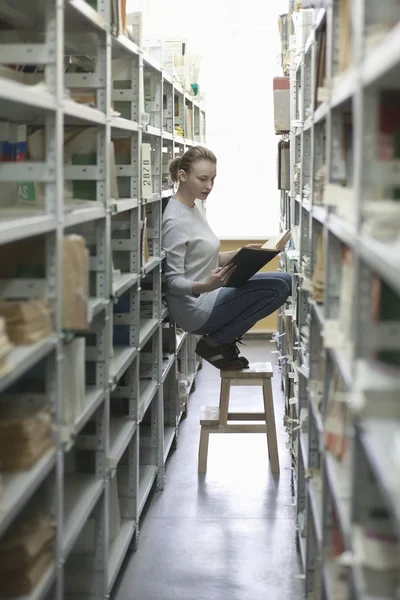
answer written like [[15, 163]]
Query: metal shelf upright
[[104, 459]]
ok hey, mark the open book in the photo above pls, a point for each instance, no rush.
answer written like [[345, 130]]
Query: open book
[[249, 261]]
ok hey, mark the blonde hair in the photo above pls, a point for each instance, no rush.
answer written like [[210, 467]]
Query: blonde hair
[[187, 160]]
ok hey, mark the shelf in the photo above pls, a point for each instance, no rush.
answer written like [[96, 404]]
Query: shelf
[[95, 306], [180, 338], [344, 88], [77, 113], [18, 487], [79, 215], [124, 124], [179, 140], [154, 198], [345, 232], [319, 213], [147, 476], [382, 59], [147, 391], [147, 328], [121, 433], [168, 77], [81, 493], [321, 112], [302, 544], [178, 88], [336, 475], [315, 496], [168, 136], [122, 45], [167, 193], [303, 443], [123, 282], [150, 265], [22, 102], [169, 436], [118, 550], [23, 358], [93, 398], [164, 313], [378, 440], [122, 360], [308, 123], [318, 311], [317, 415], [381, 259], [167, 365], [150, 130], [150, 61], [320, 18], [123, 204], [342, 364], [94, 21], [14, 228]]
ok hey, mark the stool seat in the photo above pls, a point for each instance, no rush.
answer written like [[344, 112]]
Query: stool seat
[[256, 370], [218, 419]]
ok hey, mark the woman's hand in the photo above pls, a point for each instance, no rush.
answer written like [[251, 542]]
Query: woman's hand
[[219, 277], [253, 246]]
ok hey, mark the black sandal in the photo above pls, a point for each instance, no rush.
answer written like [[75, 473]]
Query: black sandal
[[220, 356]]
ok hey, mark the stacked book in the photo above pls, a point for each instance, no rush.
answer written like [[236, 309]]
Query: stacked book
[[5, 349], [27, 321], [25, 554], [25, 431], [318, 278], [319, 186]]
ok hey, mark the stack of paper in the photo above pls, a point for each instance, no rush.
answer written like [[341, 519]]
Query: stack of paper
[[318, 278], [27, 321], [25, 431], [25, 554], [5, 349], [319, 185]]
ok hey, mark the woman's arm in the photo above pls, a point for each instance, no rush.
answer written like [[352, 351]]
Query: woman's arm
[[174, 240]]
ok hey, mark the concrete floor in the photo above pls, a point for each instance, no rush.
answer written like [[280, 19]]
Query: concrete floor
[[226, 535]]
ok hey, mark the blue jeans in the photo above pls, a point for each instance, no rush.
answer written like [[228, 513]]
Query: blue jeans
[[236, 310]]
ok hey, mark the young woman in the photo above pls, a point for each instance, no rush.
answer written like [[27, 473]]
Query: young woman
[[197, 273]]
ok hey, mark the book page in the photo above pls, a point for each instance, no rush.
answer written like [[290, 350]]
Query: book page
[[277, 242]]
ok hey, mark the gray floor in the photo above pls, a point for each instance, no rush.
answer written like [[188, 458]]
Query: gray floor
[[229, 534]]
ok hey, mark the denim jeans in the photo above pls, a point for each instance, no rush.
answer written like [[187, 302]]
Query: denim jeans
[[236, 310]]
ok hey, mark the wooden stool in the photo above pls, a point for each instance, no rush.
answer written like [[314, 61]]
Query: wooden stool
[[216, 419]]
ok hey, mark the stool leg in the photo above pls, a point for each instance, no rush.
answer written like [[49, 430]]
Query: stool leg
[[203, 449], [271, 428], [224, 400]]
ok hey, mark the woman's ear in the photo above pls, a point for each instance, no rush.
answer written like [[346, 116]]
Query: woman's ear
[[182, 175]]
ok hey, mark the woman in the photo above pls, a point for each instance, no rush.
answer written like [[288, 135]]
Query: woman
[[197, 273]]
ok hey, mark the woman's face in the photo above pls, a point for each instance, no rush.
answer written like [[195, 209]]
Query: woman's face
[[200, 180]]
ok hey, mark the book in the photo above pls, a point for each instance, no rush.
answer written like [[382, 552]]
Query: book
[[249, 261]]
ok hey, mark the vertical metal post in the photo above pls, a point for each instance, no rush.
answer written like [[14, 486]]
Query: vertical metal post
[[54, 194]]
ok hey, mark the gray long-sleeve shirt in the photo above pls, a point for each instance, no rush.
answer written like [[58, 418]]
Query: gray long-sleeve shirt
[[192, 252]]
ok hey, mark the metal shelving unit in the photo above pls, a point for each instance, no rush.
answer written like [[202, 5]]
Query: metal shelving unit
[[131, 410], [340, 353]]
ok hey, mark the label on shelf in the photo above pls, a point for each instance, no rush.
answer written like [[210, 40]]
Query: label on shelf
[[147, 184]]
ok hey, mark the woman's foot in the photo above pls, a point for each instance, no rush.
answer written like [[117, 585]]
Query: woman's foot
[[220, 356]]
